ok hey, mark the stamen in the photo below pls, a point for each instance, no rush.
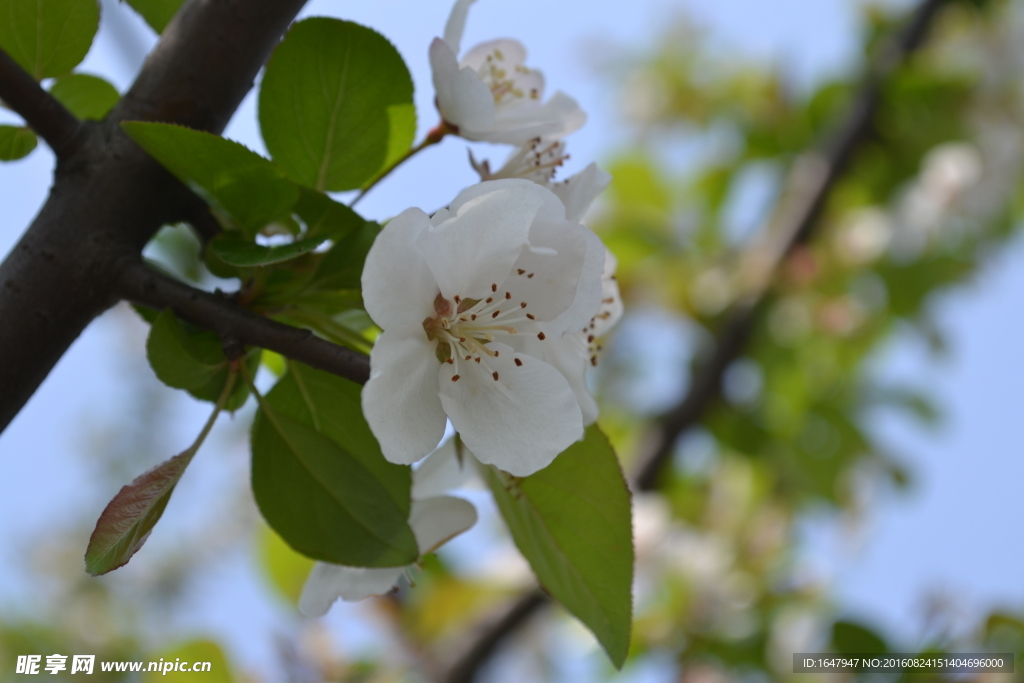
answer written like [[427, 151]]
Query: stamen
[[540, 335], [495, 376], [494, 288], [522, 304], [489, 300], [529, 276], [519, 362], [508, 295], [520, 271], [495, 314], [455, 378], [531, 316]]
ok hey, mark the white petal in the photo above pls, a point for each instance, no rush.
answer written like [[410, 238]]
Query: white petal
[[518, 423], [507, 53], [328, 582], [569, 355], [440, 472], [456, 24], [547, 275], [477, 245], [462, 98], [588, 291], [515, 125], [400, 401], [551, 207], [579, 192], [398, 288], [437, 520]]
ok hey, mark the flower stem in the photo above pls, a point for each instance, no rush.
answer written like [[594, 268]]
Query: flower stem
[[433, 137], [217, 409], [334, 331]]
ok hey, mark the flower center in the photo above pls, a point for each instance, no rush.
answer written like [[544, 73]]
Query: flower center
[[464, 328], [537, 161], [503, 84]]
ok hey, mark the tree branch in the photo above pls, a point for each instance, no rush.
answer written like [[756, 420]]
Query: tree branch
[[480, 650], [811, 181], [42, 112], [142, 285], [109, 197], [810, 184]]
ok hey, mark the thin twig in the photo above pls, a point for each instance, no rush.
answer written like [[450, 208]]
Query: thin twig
[[480, 650], [810, 184], [42, 112], [143, 285]]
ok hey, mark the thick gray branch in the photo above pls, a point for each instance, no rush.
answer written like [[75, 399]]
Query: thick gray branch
[[109, 198], [142, 285]]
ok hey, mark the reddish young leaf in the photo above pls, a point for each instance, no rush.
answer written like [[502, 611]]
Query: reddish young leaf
[[127, 520]]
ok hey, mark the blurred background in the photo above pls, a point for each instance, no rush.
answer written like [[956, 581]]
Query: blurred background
[[855, 487]]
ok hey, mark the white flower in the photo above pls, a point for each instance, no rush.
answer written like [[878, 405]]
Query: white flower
[[466, 298], [434, 520], [575, 351], [490, 95], [537, 160]]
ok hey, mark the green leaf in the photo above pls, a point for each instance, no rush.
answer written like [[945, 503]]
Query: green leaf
[[16, 142], [85, 96], [127, 520], [235, 250], [323, 500], [343, 504], [342, 266], [187, 358], [244, 188], [157, 13], [571, 521], [333, 406], [324, 216], [336, 104], [48, 37]]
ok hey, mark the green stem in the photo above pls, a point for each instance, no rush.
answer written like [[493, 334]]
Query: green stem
[[259, 398], [334, 332], [221, 400], [433, 137]]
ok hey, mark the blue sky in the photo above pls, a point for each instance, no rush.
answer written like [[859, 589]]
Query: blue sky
[[951, 532]]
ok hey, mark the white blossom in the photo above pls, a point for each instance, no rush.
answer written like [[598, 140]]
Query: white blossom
[[489, 94], [435, 519], [538, 160], [468, 300], [575, 350]]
